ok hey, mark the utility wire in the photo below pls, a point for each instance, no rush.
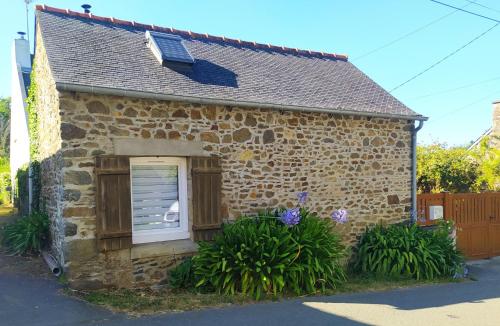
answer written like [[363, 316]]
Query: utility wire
[[457, 50], [483, 6], [464, 106], [402, 37], [467, 11], [449, 90], [396, 40], [445, 57]]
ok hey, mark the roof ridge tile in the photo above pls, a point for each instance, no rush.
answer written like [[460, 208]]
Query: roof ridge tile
[[190, 34]]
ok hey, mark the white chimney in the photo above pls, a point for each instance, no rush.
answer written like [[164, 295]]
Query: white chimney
[[21, 51]]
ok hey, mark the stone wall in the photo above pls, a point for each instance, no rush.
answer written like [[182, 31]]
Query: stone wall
[[358, 163], [47, 105]]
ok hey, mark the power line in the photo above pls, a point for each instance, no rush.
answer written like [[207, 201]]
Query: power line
[[396, 40], [467, 11], [449, 90], [444, 58], [464, 106], [403, 37], [483, 6]]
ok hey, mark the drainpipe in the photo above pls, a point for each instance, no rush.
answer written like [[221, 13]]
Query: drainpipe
[[30, 188], [414, 131]]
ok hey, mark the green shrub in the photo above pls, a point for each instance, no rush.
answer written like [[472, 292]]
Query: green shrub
[[27, 234], [408, 251], [182, 276], [262, 255], [5, 188], [21, 196]]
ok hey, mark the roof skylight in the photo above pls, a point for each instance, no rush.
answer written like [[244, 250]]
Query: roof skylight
[[168, 48]]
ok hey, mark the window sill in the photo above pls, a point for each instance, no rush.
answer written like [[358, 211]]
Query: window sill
[[139, 238], [166, 248]]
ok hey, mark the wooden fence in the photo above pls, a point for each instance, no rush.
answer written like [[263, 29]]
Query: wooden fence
[[477, 218]]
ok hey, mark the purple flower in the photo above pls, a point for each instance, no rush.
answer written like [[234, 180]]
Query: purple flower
[[340, 216], [291, 216], [413, 215], [302, 197]]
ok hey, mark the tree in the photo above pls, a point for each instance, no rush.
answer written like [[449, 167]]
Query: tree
[[488, 158], [447, 169], [4, 126], [4, 151]]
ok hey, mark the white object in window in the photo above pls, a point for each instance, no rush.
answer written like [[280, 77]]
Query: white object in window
[[159, 199]]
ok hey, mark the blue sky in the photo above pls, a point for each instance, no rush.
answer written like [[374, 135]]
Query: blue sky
[[353, 27]]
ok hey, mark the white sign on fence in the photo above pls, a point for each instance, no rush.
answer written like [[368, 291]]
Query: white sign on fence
[[435, 212]]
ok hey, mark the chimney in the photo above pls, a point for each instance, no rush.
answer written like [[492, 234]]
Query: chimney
[[86, 8], [495, 132], [21, 51]]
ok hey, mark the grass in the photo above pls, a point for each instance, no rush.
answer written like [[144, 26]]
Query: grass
[[368, 284], [7, 212], [145, 301]]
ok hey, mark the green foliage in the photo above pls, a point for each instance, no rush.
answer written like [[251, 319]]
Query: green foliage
[[408, 251], [182, 276], [261, 255], [5, 183], [458, 169], [21, 189], [5, 108], [446, 169], [5, 188], [27, 234], [4, 127], [488, 159], [4, 164], [33, 116], [36, 185], [34, 165]]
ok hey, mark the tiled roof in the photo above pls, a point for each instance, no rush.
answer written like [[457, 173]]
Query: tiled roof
[[88, 50]]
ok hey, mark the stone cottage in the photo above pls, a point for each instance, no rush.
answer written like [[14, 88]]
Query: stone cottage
[[151, 137]]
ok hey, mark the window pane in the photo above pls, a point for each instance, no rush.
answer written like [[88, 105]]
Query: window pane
[[155, 197]]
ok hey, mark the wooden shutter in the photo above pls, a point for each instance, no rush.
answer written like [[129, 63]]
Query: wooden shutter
[[207, 191], [114, 217]]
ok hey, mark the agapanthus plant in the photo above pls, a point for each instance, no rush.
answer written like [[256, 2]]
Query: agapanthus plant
[[340, 216], [291, 216], [302, 197]]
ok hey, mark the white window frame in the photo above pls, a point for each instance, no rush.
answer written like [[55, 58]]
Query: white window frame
[[167, 234]]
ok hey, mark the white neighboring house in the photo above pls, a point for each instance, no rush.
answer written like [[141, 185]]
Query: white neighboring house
[[19, 135]]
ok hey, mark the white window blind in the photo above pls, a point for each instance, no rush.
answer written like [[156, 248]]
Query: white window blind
[[159, 199], [155, 193]]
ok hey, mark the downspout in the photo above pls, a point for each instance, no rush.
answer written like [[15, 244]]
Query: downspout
[[414, 131]]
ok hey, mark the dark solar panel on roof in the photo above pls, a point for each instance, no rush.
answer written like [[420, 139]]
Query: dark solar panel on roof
[[169, 47]]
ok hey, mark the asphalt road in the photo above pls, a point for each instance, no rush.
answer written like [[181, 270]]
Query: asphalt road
[[27, 300]]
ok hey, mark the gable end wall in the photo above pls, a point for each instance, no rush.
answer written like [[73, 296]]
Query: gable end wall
[[49, 154]]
